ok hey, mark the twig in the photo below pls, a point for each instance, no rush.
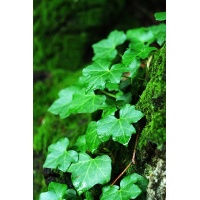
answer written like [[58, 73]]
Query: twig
[[132, 161]]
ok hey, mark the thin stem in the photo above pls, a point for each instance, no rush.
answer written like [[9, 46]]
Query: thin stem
[[109, 94], [132, 161], [121, 173]]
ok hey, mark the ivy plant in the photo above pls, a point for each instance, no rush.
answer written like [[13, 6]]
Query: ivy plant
[[106, 88]]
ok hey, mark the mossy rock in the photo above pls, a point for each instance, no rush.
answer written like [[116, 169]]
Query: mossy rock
[[152, 102]]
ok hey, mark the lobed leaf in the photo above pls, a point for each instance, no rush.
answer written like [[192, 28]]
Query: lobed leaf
[[142, 34], [56, 191], [99, 73], [88, 172], [105, 49], [119, 129], [129, 188], [59, 157], [137, 50], [69, 102]]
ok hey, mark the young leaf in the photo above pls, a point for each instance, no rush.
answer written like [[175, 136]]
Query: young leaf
[[99, 72], [72, 195], [66, 105], [119, 129], [88, 172], [105, 49], [159, 32], [87, 103], [59, 157], [91, 136], [129, 189], [56, 191], [161, 16], [137, 50], [61, 105], [81, 143], [141, 34]]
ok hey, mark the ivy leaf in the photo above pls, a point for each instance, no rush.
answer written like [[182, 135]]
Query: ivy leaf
[[87, 103], [161, 16], [91, 136], [56, 191], [141, 34], [100, 72], [137, 50], [88, 172], [61, 105], [119, 129], [59, 157], [69, 102], [81, 144], [88, 196], [105, 49], [159, 32], [128, 189], [126, 98], [72, 195]]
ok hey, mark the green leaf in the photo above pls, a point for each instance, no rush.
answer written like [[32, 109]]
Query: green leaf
[[61, 105], [87, 103], [72, 195], [119, 129], [100, 72], [159, 32], [126, 98], [59, 157], [81, 144], [137, 50], [77, 102], [92, 138], [141, 34], [105, 49], [88, 172], [161, 16], [89, 196], [56, 191], [128, 189]]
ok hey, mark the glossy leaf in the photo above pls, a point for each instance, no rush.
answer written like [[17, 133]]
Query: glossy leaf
[[56, 191], [100, 72], [87, 103], [81, 144], [91, 136], [61, 105], [59, 157], [161, 16], [88, 172], [71, 194], [159, 32], [119, 129], [106, 48], [129, 189], [65, 106], [141, 34], [137, 50]]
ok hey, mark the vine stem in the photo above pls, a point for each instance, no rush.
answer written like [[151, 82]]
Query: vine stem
[[109, 94], [132, 161]]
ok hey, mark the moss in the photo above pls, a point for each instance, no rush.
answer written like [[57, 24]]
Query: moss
[[153, 102], [53, 128]]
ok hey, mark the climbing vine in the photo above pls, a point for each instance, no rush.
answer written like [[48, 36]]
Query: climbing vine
[[106, 89]]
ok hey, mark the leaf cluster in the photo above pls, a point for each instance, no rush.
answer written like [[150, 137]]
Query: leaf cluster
[[103, 87]]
